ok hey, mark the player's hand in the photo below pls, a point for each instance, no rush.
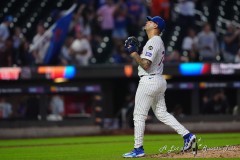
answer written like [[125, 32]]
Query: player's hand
[[132, 45]]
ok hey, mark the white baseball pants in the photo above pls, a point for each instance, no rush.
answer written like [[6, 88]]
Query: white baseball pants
[[150, 93]]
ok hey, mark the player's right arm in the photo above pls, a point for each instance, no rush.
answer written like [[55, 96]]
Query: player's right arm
[[144, 63]]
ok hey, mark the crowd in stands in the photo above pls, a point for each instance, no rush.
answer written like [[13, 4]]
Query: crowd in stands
[[99, 28]]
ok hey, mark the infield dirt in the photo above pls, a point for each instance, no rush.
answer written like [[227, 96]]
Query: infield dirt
[[214, 152]]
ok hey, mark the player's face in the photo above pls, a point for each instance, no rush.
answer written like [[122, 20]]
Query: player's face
[[149, 25]]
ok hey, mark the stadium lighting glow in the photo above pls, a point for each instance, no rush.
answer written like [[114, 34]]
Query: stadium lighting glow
[[59, 4], [174, 38], [46, 24], [170, 49], [29, 25], [5, 10], [22, 10], [99, 50], [24, 30], [236, 17], [60, 80], [42, 4], [105, 39], [235, 7], [111, 60], [176, 33], [167, 76], [49, 19], [185, 53], [177, 28], [219, 23], [93, 60], [103, 45], [26, 5], [11, 25], [172, 43], [140, 38], [142, 33]]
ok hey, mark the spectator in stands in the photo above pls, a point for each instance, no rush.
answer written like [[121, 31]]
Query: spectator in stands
[[189, 46], [5, 108], [25, 57], [173, 57], [81, 49], [215, 103], [120, 56], [186, 17], [6, 57], [4, 31], [120, 23], [231, 43], [160, 8], [105, 14], [135, 16], [190, 41], [40, 44], [83, 17], [56, 108], [178, 111], [95, 45], [207, 44], [18, 39], [93, 18], [6, 51], [65, 55], [192, 56]]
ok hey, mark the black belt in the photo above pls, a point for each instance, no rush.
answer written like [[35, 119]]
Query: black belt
[[148, 75]]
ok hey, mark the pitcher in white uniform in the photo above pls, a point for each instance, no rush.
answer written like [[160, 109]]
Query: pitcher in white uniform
[[152, 86]]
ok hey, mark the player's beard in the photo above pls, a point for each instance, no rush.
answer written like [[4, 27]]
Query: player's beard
[[148, 27], [144, 28]]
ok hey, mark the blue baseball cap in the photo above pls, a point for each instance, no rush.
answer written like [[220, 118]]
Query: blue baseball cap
[[159, 21]]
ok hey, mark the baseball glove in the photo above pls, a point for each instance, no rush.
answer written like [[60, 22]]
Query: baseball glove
[[132, 44]]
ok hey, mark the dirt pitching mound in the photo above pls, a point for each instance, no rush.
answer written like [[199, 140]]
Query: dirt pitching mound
[[214, 152]]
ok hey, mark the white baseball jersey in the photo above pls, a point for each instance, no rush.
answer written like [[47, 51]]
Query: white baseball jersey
[[151, 91], [154, 51]]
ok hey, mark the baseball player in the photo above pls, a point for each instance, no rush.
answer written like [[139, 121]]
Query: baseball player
[[152, 86]]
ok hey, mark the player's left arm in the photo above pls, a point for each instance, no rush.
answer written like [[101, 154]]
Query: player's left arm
[[144, 63], [132, 46]]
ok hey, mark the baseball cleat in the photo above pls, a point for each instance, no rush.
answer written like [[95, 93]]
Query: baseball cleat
[[189, 142], [136, 152]]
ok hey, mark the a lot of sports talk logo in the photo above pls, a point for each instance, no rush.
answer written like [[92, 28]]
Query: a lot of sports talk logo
[[201, 146]]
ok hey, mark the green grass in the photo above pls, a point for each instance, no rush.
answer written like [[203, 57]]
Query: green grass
[[99, 147]]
